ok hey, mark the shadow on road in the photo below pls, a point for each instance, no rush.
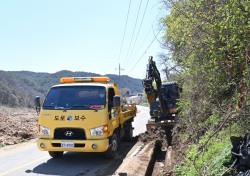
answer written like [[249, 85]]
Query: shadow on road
[[79, 164]]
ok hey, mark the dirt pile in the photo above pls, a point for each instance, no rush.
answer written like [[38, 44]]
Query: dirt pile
[[157, 134], [17, 125], [179, 148]]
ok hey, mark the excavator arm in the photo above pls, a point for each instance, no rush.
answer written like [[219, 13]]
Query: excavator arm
[[152, 75]]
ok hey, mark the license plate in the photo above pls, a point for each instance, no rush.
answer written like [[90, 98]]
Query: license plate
[[67, 145]]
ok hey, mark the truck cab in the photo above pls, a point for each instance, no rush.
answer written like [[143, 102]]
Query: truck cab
[[83, 115]]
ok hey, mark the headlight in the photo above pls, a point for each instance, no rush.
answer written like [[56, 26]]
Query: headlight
[[44, 131], [98, 131]]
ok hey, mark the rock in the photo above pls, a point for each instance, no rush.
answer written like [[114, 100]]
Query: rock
[[9, 143], [17, 125]]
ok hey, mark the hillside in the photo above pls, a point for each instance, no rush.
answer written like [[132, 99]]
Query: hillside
[[18, 88]]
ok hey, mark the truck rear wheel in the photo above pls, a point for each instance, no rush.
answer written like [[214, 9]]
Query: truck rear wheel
[[55, 154], [129, 132], [113, 146]]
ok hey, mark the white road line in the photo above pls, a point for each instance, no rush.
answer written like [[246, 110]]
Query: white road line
[[22, 166]]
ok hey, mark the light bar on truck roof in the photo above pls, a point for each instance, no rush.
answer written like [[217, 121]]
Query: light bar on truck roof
[[83, 79]]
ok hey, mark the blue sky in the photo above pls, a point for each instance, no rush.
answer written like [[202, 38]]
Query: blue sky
[[78, 35]]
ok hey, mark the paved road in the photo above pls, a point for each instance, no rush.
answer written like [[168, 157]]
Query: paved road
[[26, 159], [141, 120]]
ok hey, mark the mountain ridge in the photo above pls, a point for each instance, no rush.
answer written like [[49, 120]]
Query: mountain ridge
[[18, 88]]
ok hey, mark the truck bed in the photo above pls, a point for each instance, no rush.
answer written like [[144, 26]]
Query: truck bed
[[128, 112]]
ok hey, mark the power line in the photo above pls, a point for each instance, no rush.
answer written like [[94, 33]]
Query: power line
[[124, 31], [138, 30], [133, 31], [146, 36], [145, 51]]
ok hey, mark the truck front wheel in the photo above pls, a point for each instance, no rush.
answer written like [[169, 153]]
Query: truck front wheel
[[113, 146], [55, 154]]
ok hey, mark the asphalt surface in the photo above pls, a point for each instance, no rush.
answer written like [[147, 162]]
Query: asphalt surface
[[26, 159]]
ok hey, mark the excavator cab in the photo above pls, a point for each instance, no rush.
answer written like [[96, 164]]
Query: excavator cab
[[170, 94]]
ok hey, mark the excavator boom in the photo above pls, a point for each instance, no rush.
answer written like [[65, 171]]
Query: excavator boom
[[152, 75]]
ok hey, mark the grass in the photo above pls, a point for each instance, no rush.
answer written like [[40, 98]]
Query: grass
[[1, 145], [208, 161]]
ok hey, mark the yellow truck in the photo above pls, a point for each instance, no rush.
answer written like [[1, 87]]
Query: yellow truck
[[83, 114]]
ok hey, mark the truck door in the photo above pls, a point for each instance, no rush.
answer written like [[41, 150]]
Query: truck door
[[113, 116]]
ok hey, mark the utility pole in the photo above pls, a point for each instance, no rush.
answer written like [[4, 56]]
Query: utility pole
[[120, 79]]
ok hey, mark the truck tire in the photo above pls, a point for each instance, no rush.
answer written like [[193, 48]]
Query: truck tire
[[55, 154], [129, 132], [113, 146]]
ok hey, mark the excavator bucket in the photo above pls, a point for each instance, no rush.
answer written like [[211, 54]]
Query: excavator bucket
[[164, 124], [151, 97]]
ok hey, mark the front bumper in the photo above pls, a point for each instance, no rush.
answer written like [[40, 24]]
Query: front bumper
[[80, 145]]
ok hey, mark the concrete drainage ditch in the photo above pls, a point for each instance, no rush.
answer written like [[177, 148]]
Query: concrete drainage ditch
[[148, 158]]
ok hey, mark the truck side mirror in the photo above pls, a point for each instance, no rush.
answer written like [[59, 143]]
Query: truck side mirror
[[116, 101], [37, 104]]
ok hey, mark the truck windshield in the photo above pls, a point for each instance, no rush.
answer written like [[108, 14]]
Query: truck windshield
[[75, 97]]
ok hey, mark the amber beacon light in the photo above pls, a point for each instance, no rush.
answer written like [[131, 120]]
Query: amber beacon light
[[83, 79]]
